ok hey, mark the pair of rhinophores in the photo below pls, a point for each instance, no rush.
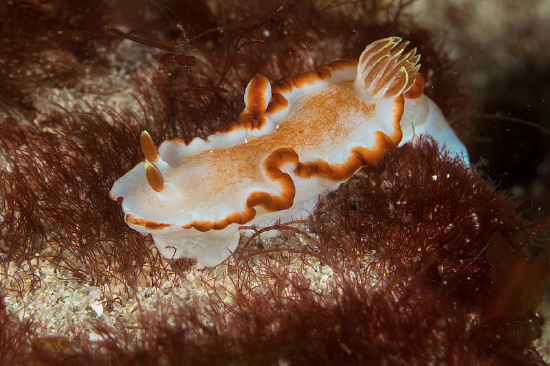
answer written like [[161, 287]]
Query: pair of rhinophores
[[292, 142]]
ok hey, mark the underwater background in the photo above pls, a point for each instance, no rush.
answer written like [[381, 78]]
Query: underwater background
[[395, 267]]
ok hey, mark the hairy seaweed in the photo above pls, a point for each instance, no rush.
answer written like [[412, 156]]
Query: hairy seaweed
[[401, 292], [202, 80], [53, 196], [14, 336]]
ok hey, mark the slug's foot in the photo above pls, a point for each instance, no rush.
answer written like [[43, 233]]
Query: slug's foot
[[209, 249]]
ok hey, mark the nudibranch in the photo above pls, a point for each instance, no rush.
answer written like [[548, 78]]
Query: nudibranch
[[293, 141]]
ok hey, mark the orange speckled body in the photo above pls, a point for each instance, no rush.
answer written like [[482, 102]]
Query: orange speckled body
[[291, 143]]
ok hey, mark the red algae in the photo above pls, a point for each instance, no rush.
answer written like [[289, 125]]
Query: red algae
[[404, 289], [14, 336]]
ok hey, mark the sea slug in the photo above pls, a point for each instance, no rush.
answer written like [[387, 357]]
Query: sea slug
[[292, 142]]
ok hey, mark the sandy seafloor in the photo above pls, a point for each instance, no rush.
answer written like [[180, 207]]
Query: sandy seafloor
[[61, 302]]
